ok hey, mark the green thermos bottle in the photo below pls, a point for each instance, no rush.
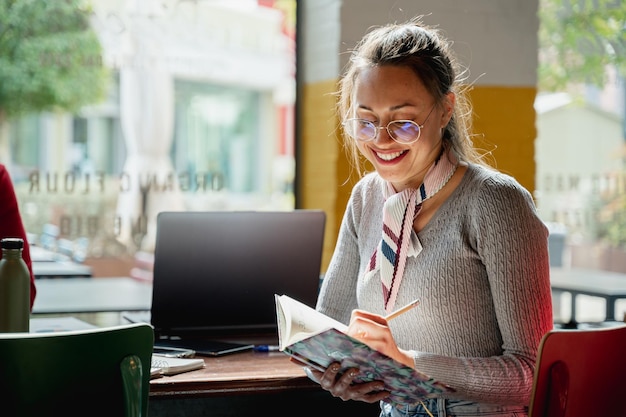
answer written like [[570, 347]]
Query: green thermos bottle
[[14, 287]]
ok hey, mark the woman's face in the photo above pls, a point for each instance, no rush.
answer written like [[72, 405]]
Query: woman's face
[[387, 93]]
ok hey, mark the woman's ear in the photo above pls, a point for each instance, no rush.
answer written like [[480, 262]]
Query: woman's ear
[[448, 108]]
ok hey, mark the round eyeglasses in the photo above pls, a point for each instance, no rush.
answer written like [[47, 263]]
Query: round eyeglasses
[[402, 131]]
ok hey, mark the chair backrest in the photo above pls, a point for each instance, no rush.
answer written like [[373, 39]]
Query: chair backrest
[[95, 372], [581, 373]]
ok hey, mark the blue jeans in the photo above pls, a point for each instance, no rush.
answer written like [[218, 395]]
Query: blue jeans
[[451, 408]]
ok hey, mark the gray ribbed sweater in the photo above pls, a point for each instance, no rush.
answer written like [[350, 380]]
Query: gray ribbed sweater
[[482, 278]]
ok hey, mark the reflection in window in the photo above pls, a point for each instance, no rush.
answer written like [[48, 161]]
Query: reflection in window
[[218, 138], [581, 138], [198, 116]]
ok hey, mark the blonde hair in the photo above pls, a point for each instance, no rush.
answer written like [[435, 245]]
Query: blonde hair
[[429, 55]]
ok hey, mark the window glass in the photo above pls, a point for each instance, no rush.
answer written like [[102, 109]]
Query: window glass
[[197, 114], [25, 133], [217, 137], [580, 147]]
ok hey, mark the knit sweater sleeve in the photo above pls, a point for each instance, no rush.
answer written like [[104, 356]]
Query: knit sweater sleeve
[[511, 242], [338, 294]]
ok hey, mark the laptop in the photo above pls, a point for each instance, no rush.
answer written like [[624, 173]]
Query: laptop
[[216, 273]]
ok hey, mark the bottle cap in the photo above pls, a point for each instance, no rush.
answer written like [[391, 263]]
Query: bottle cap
[[12, 243]]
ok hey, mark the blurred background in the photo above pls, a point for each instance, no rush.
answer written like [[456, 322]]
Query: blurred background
[[112, 111]]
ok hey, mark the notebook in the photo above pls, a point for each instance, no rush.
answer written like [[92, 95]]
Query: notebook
[[216, 273]]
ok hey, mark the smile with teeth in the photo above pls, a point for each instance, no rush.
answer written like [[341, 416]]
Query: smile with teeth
[[389, 156]]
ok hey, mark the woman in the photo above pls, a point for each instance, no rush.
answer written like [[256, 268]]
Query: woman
[[460, 236], [11, 223]]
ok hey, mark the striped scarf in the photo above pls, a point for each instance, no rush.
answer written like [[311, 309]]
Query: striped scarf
[[399, 212]]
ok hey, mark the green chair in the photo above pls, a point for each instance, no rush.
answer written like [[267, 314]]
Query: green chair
[[96, 372]]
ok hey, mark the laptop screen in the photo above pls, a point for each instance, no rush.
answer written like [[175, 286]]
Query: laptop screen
[[216, 272]]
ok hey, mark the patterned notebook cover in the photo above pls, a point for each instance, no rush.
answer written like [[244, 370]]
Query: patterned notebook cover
[[406, 384]]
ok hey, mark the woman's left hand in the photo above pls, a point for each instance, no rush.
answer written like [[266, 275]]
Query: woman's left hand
[[373, 330], [340, 384]]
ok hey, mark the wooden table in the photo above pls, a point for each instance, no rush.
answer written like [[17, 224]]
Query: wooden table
[[611, 286], [247, 372], [248, 383], [239, 384]]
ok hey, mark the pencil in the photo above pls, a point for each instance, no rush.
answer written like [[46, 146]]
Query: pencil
[[402, 310]]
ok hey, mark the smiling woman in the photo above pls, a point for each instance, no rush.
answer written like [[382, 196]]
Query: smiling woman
[[432, 222]]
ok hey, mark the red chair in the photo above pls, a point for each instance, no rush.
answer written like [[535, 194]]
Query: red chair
[[581, 373]]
